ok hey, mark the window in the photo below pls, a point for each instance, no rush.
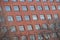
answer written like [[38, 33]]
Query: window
[[44, 0], [37, 0], [49, 17], [54, 35], [39, 7], [32, 37], [18, 18], [46, 7], [59, 7], [51, 0], [21, 28], [34, 17], [15, 38], [55, 16], [57, 0], [23, 38], [1, 19], [47, 36], [52, 26], [16, 8], [7, 8], [5, 38], [24, 8], [12, 29], [53, 7], [44, 26], [42, 17], [37, 27], [32, 8], [5, 0], [3, 29], [10, 18], [29, 27], [40, 37], [14, 0], [0, 8], [22, 0], [30, 0], [27, 18]]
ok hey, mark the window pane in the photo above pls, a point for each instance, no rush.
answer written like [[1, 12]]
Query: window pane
[[39, 7], [51, 0], [52, 26], [24, 8], [15, 38], [27, 18], [16, 8], [18, 18], [14, 0], [10, 18], [44, 0], [47, 36], [32, 8], [57, 0], [2, 19], [3, 29], [22, 0], [5, 38], [37, 0], [23, 38], [32, 37], [55, 16], [29, 27], [0, 8], [12, 29], [44, 26], [34, 17], [40, 37], [30, 0], [5, 0], [37, 27], [46, 7], [7, 8], [53, 7], [49, 17], [21, 28], [42, 17], [59, 7], [54, 35]]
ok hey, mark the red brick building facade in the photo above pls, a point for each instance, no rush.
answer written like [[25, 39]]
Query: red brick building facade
[[29, 19]]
